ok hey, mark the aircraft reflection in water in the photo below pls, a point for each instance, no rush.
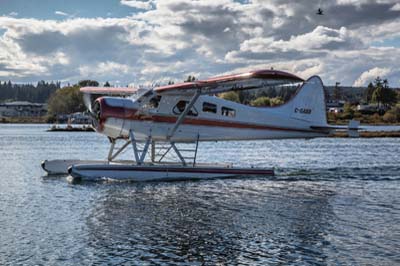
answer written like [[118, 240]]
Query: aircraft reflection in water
[[229, 222]]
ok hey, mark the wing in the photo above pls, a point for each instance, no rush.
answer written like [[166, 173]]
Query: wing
[[244, 81], [109, 91]]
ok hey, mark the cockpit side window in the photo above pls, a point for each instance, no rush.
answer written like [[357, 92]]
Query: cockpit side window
[[209, 107], [155, 101], [225, 111], [180, 107]]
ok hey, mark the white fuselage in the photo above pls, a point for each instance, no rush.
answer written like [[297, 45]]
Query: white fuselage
[[210, 119]]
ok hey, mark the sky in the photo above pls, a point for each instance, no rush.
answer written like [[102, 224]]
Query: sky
[[154, 41]]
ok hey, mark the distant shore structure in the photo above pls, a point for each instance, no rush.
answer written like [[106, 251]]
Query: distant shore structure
[[22, 109]]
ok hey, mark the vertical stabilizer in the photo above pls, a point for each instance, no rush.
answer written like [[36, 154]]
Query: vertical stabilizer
[[308, 104]]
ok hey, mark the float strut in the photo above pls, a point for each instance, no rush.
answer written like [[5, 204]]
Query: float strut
[[134, 146]]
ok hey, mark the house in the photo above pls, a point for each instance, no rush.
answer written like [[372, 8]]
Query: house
[[371, 108], [336, 110], [335, 106], [22, 109]]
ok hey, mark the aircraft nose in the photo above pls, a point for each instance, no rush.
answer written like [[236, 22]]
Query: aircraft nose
[[96, 109], [96, 113]]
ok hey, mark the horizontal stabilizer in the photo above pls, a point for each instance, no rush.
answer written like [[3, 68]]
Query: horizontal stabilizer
[[352, 128]]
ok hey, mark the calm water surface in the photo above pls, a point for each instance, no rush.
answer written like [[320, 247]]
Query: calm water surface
[[333, 202]]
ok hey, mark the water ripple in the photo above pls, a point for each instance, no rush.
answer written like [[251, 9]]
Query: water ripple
[[332, 202]]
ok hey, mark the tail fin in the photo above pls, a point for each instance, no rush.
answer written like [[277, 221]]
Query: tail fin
[[308, 104]]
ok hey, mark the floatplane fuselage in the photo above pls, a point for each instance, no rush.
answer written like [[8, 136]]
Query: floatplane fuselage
[[211, 118], [191, 113]]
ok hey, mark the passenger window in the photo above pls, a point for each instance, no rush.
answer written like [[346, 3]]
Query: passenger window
[[180, 107], [209, 107], [228, 112], [154, 102]]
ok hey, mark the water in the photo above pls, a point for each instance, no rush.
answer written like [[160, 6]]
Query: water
[[333, 202], [380, 128]]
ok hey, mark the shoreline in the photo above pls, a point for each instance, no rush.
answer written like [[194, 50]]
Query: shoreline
[[43, 120], [24, 120], [369, 134], [339, 134]]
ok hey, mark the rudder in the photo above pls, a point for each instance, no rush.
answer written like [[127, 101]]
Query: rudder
[[308, 104]]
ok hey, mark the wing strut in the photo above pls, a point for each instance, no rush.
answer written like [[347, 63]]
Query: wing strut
[[184, 113], [178, 153]]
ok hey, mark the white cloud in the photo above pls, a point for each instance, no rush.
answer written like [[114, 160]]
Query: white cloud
[[320, 38], [169, 39], [137, 4], [396, 7], [370, 75], [104, 69], [61, 13], [13, 14], [363, 2]]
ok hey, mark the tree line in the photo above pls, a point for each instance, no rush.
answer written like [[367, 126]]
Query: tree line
[[384, 105], [69, 99], [380, 93], [27, 92]]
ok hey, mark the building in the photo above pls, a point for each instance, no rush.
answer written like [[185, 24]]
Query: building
[[372, 108], [22, 109], [336, 110]]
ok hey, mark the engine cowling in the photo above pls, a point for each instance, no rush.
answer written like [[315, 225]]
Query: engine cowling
[[110, 113]]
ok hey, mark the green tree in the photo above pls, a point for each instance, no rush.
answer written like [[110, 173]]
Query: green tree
[[348, 111], [377, 96], [389, 97], [65, 101], [261, 101], [190, 79], [378, 82], [244, 96], [285, 93], [337, 93], [383, 95], [230, 96], [368, 92], [107, 84], [276, 101], [266, 101], [27, 92], [88, 83]]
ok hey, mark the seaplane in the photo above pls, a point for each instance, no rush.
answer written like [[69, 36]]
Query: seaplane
[[155, 122]]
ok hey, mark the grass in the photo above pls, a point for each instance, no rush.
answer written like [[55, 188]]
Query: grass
[[24, 120], [343, 119], [377, 134]]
